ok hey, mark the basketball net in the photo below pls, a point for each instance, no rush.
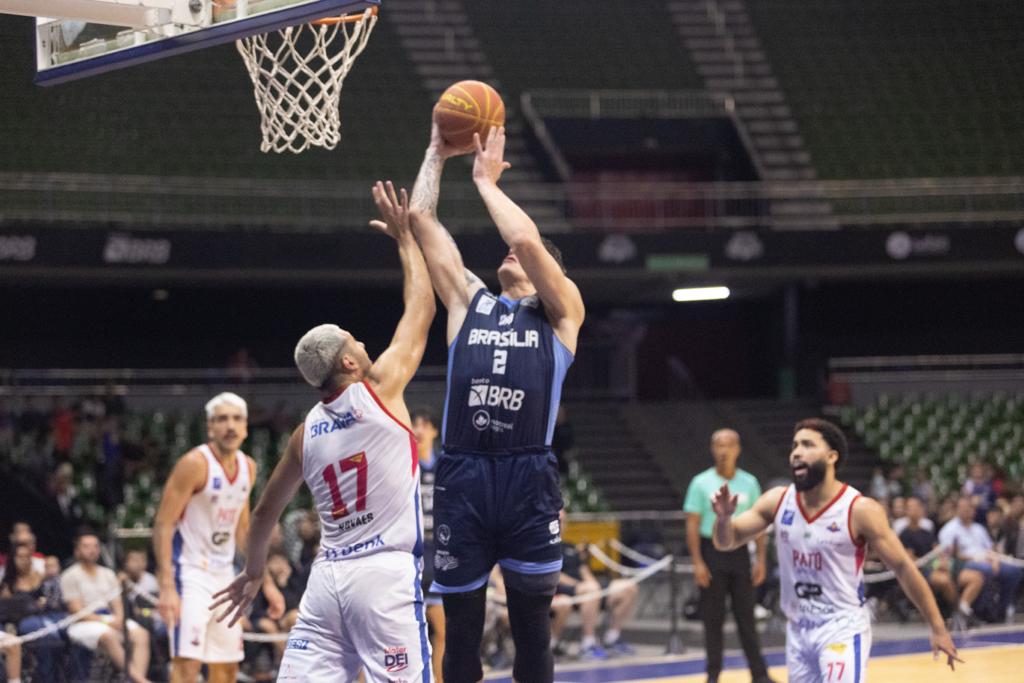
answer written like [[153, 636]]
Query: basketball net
[[297, 74]]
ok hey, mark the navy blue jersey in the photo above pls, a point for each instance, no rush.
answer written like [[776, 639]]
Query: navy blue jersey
[[505, 372]]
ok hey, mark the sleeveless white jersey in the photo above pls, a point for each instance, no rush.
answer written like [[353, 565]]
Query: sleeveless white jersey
[[204, 537], [360, 463], [821, 566]]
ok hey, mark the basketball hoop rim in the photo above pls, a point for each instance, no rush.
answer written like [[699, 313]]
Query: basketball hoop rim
[[344, 19]]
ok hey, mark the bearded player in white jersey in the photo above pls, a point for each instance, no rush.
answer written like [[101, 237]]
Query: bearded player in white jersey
[[363, 605], [204, 513], [822, 530]]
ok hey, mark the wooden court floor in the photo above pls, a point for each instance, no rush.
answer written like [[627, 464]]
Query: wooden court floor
[[996, 664], [993, 655]]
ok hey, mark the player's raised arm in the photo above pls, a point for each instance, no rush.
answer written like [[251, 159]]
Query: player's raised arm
[[281, 488], [732, 532], [561, 298], [396, 366], [455, 284], [870, 523], [187, 477]]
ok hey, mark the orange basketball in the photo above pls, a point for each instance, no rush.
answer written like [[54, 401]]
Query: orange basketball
[[468, 107]]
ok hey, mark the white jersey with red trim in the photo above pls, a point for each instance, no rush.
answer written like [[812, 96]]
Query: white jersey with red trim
[[204, 536], [360, 463], [821, 566]]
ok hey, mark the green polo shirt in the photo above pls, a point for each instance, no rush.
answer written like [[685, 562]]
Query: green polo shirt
[[703, 488]]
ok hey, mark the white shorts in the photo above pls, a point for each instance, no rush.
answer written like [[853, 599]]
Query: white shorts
[[365, 613], [835, 652], [88, 633], [198, 635]]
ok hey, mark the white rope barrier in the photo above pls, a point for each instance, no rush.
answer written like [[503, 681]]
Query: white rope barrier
[[889, 575], [640, 558], [600, 556], [617, 587], [632, 554], [872, 577], [7, 640], [248, 636], [633, 576]]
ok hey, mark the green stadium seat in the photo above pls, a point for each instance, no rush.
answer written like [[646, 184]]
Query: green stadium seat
[[895, 89]]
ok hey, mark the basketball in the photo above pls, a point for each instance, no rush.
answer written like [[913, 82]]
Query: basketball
[[468, 107]]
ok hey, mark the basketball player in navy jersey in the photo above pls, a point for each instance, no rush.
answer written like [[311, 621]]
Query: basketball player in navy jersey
[[496, 495]]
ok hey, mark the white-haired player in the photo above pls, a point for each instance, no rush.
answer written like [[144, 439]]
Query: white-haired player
[[363, 605], [204, 514]]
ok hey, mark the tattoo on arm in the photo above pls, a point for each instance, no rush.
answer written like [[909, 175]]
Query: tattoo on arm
[[471, 279], [428, 185]]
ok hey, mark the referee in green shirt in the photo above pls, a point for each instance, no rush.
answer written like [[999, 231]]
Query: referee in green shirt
[[725, 573]]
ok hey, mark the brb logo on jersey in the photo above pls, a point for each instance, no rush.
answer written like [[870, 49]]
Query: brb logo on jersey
[[396, 659], [493, 396], [787, 518]]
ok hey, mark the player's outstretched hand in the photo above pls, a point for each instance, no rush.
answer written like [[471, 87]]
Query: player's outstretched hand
[[394, 209], [490, 157], [943, 642], [238, 597], [442, 147], [723, 504]]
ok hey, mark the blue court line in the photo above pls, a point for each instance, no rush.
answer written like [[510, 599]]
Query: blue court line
[[694, 664]]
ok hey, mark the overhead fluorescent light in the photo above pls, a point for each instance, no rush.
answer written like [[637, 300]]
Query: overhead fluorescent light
[[700, 293]]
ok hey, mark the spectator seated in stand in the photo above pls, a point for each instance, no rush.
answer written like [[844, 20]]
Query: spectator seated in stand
[[577, 580], [1014, 527], [918, 537], [290, 582], [143, 594], [21, 534], [86, 583], [978, 488], [969, 543]]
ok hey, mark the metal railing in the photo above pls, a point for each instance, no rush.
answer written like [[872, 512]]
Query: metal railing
[[603, 370], [864, 378], [155, 202], [628, 104]]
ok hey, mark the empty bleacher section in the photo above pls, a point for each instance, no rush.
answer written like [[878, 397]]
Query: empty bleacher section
[[942, 434], [194, 115], [614, 458], [577, 44], [899, 89]]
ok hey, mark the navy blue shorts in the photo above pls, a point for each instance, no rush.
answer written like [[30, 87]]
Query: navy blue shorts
[[491, 509]]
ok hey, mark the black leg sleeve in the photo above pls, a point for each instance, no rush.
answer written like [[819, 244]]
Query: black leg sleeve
[[530, 619], [464, 628]]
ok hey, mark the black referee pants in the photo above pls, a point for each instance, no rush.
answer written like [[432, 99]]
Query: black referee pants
[[730, 575]]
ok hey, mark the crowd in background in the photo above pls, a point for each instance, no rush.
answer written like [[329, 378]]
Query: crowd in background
[[52, 442], [974, 540]]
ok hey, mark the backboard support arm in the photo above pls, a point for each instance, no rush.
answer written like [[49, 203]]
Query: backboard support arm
[[134, 14]]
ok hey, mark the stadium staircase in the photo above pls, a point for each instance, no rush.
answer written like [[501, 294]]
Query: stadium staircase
[[727, 53], [440, 42], [616, 460]]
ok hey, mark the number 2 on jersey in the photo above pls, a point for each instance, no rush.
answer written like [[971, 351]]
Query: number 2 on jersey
[[355, 462], [500, 358]]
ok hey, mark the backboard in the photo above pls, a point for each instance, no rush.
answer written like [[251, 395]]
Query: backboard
[[80, 38]]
